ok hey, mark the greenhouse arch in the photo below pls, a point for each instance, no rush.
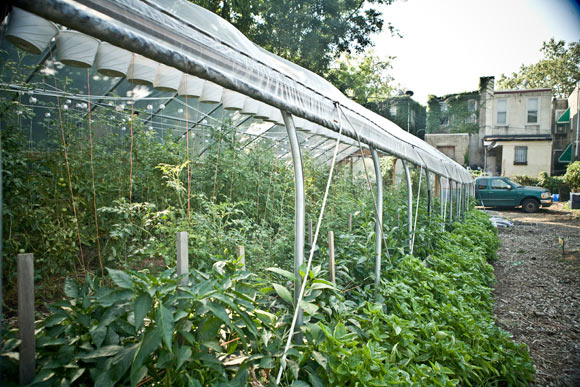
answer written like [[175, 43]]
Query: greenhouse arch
[[185, 51]]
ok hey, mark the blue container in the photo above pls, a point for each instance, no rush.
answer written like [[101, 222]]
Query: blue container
[[556, 197]]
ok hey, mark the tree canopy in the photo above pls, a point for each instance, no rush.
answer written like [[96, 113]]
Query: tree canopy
[[559, 70], [309, 33], [363, 77]]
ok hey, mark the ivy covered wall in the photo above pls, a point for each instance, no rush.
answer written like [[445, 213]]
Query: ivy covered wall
[[453, 113], [403, 111]]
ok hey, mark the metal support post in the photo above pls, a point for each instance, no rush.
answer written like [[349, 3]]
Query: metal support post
[[182, 257], [410, 202], [379, 219], [428, 179], [441, 198], [25, 266], [299, 208], [450, 190]]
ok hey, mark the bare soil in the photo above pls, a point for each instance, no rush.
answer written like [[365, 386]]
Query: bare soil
[[537, 290]]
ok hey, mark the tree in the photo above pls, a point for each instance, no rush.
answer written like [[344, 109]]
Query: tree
[[309, 33], [362, 78], [559, 70]]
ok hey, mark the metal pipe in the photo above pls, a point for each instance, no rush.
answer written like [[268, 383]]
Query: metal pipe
[[428, 180], [299, 208], [379, 219], [409, 201], [450, 182], [441, 201]]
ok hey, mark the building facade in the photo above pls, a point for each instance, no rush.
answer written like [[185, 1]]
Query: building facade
[[516, 131], [508, 132], [565, 127]]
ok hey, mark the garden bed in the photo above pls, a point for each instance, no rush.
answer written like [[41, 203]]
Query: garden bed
[[538, 290]]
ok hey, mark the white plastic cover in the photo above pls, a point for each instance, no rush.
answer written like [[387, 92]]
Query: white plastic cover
[[198, 42]]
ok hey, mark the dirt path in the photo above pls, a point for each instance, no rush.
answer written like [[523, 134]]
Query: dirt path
[[537, 290]]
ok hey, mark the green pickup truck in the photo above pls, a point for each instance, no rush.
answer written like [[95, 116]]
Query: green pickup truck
[[497, 191]]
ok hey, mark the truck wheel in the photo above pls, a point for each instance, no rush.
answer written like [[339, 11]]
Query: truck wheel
[[530, 205]]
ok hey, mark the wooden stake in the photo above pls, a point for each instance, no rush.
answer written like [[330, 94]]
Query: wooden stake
[[331, 256], [310, 231], [182, 257], [349, 222], [242, 255], [26, 318]]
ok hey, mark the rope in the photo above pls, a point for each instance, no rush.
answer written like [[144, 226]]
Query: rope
[[187, 151], [311, 255], [72, 196], [369, 183], [93, 181], [416, 210], [131, 158], [131, 165]]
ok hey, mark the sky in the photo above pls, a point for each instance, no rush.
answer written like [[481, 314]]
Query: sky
[[448, 44]]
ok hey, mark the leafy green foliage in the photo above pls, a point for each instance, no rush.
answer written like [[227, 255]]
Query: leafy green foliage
[[429, 322], [572, 176], [559, 70], [310, 34], [362, 78], [152, 327], [460, 115]]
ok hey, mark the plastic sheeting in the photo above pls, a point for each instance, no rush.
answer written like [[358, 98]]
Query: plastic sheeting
[[198, 42]]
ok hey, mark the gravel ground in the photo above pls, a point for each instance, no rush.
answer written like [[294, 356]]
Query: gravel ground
[[537, 290]]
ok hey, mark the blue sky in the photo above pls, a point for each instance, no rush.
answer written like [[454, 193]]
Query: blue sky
[[448, 44]]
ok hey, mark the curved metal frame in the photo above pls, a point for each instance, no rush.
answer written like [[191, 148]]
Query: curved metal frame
[[379, 219], [299, 207], [410, 202]]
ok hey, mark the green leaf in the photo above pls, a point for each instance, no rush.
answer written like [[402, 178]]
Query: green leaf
[[283, 273], [142, 305], [283, 293], [150, 343], [138, 375], [320, 359], [183, 354], [71, 288], [300, 383], [122, 362], [76, 374], [106, 351], [98, 334], [308, 307], [397, 329], [165, 322], [220, 312], [322, 284], [121, 278], [43, 376]]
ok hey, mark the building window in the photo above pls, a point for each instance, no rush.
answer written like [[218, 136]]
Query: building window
[[562, 125], [444, 106], [471, 105], [532, 111], [501, 111], [393, 110], [521, 155]]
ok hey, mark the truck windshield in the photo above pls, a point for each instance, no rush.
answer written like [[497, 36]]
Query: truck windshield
[[513, 183]]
